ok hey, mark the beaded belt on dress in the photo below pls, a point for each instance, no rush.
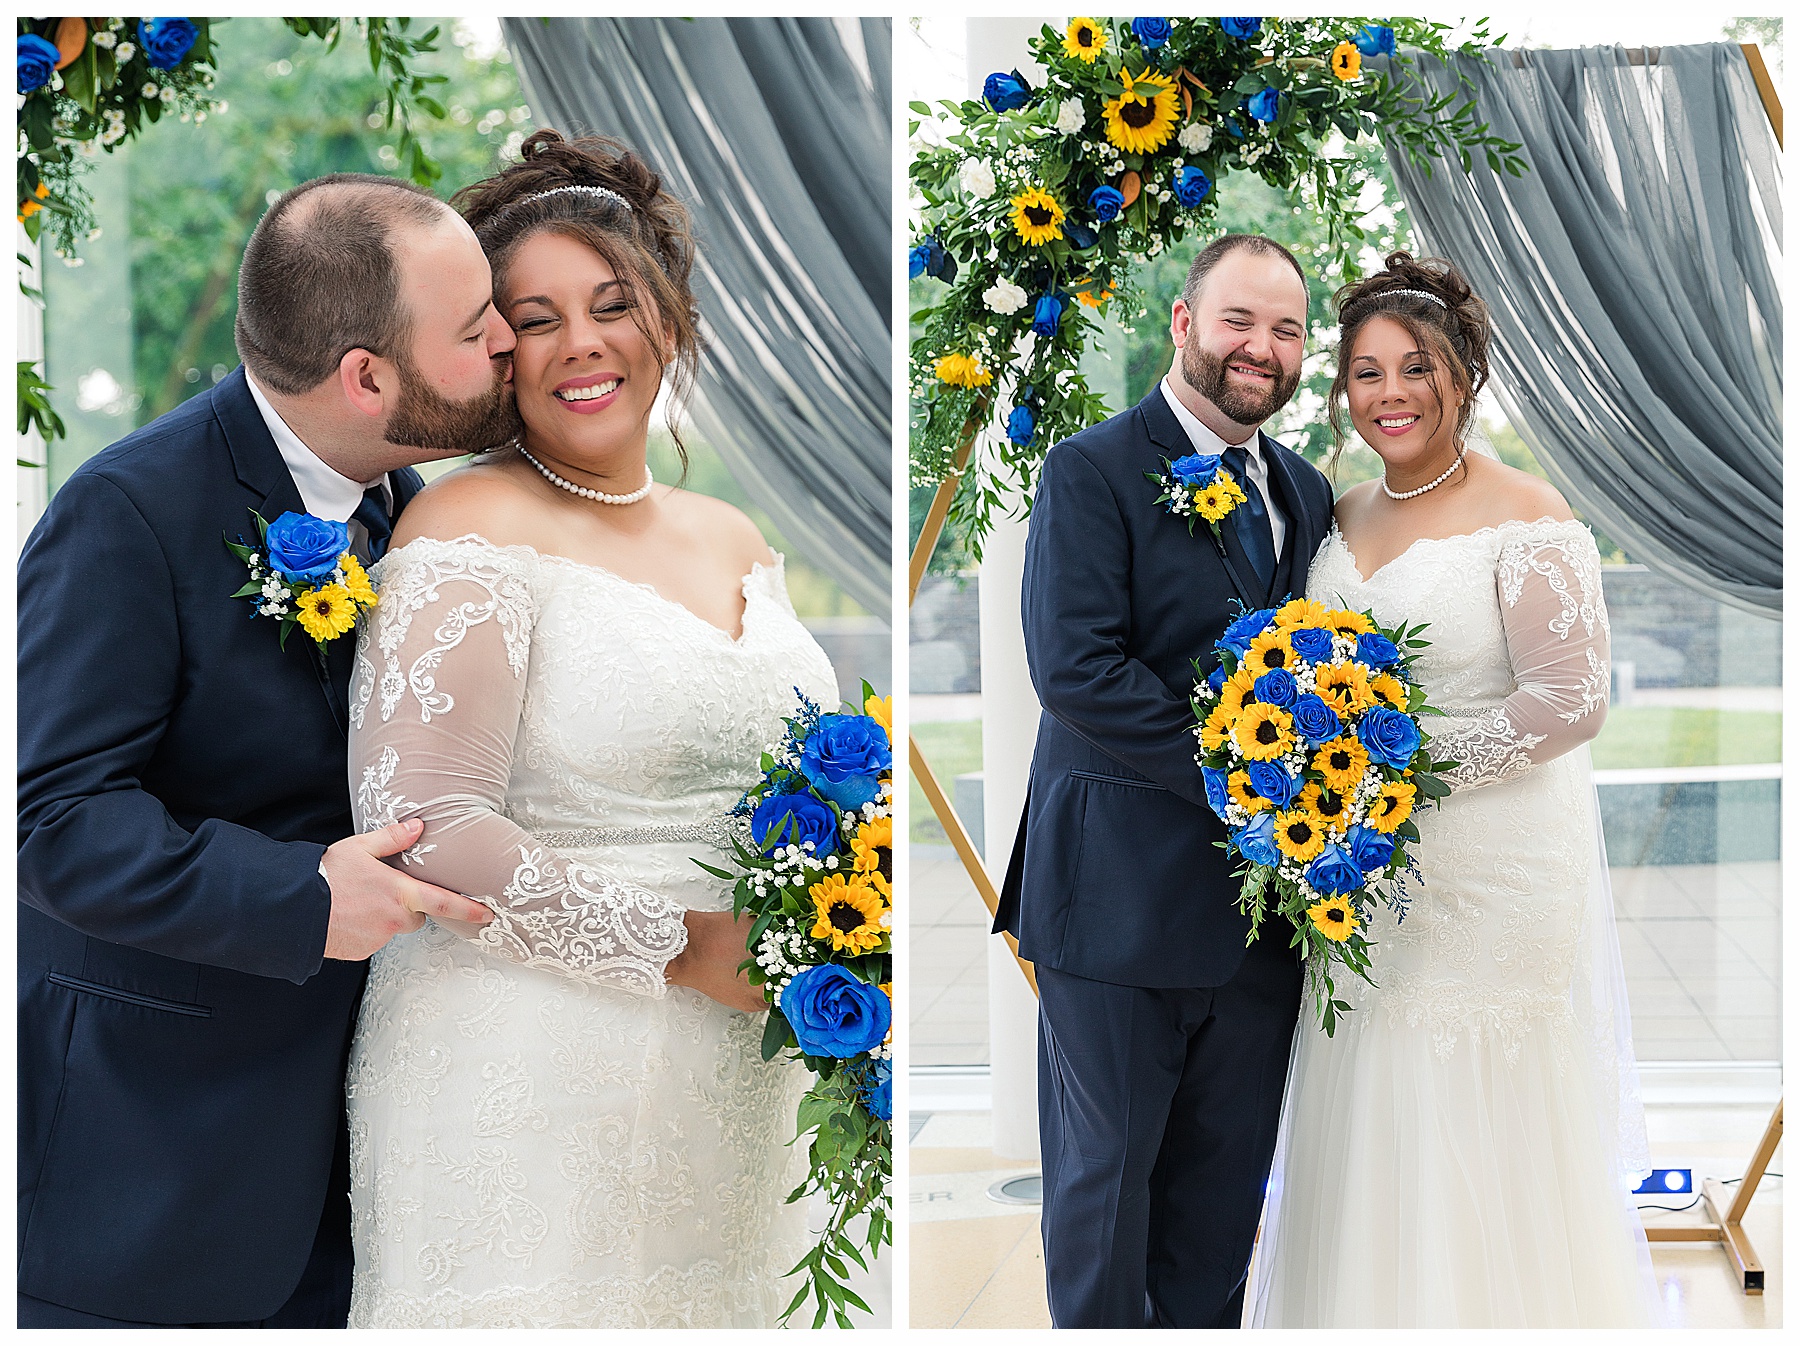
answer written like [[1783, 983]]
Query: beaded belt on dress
[[713, 832]]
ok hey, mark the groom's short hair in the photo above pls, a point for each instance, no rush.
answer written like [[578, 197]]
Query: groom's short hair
[[320, 277], [1224, 245]]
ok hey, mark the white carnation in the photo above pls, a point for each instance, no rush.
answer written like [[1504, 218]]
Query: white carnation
[[977, 179], [1003, 297], [1194, 137], [1070, 117]]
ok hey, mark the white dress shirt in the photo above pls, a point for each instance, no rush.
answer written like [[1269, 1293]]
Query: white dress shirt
[[326, 492], [1205, 441]]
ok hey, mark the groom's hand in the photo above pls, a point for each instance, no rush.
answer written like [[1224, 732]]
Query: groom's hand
[[371, 902]]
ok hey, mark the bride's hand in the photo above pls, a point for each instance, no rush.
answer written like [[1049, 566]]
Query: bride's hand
[[709, 963]]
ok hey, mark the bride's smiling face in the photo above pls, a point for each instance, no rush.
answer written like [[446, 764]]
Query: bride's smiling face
[[585, 374], [1397, 396]]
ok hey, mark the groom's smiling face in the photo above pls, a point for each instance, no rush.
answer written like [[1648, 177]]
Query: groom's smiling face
[[1242, 338]]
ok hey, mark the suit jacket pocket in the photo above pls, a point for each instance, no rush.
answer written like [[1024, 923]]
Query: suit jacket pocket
[[82, 986], [1130, 782]]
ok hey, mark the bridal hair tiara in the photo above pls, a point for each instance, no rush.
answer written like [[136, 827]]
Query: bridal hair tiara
[[600, 193], [1422, 294]]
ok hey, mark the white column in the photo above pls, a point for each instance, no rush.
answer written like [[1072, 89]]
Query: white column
[[1009, 715]]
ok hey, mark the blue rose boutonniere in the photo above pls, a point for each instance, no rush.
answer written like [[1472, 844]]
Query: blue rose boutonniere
[[1197, 487], [302, 574]]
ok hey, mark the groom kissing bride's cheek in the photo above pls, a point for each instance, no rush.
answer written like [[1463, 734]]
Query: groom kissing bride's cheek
[[195, 907], [1163, 1040]]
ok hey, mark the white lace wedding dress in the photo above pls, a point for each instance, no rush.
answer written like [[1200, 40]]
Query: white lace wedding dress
[[542, 1133], [1456, 1156]]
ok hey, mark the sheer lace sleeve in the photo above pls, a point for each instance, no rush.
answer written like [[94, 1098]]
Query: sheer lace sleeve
[[1557, 638], [438, 693]]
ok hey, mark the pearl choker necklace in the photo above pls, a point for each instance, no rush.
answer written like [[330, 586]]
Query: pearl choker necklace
[[1402, 495], [588, 493]]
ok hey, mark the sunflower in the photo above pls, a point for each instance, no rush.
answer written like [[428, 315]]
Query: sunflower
[[881, 710], [1037, 216], [1238, 786], [873, 846], [1216, 729], [1299, 835], [327, 612], [962, 371], [1299, 613], [1085, 40], [1388, 690], [1334, 917], [1270, 650], [1089, 299], [1346, 61], [1217, 499], [1326, 805], [1141, 120], [1393, 806], [1342, 762], [34, 203], [356, 581], [850, 913], [1239, 688], [1264, 732], [1347, 623], [1344, 687]]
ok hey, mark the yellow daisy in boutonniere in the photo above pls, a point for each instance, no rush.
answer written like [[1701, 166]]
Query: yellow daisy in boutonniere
[[1239, 788], [1393, 806], [1333, 918], [1344, 687], [1342, 762], [849, 913], [1084, 40], [1141, 119], [356, 581], [1263, 732], [327, 612], [1037, 216], [1299, 835], [1218, 498], [962, 371]]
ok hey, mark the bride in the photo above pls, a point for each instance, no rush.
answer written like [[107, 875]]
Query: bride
[[564, 1118], [1457, 1154]]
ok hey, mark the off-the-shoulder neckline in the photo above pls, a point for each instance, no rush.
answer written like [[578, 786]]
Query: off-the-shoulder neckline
[[557, 558], [1416, 543]]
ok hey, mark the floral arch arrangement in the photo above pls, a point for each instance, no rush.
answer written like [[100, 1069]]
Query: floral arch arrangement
[[1036, 205]]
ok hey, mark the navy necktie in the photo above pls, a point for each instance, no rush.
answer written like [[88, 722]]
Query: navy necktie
[[1254, 531], [372, 514]]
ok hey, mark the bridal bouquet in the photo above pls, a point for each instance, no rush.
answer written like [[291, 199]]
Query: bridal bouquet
[[817, 875], [1313, 756]]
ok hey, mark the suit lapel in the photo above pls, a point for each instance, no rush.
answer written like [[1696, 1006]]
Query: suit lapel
[[1304, 532], [1166, 433]]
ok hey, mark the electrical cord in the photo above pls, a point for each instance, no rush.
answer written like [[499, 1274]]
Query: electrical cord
[[1696, 1201]]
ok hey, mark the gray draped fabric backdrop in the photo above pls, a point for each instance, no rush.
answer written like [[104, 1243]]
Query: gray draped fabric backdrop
[[1636, 303], [767, 130]]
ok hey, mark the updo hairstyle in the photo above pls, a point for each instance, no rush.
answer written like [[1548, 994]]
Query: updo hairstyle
[[1453, 334], [647, 239]]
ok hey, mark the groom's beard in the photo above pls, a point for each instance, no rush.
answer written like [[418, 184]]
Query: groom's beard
[[424, 418], [1205, 374]]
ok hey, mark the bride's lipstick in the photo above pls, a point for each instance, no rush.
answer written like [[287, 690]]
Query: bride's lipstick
[[590, 393]]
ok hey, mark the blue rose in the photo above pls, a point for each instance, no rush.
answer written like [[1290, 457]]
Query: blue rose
[[844, 758], [928, 258], [1376, 650], [1335, 872], [834, 1014], [1311, 642], [1191, 186], [1216, 679], [794, 820], [1315, 719], [1256, 840], [878, 1090], [1273, 784], [1243, 29], [166, 41], [1245, 629], [1266, 106], [1152, 32], [1390, 737], [1004, 93], [915, 261], [1375, 40], [1277, 687], [1369, 848], [1079, 236], [1217, 796], [1048, 315], [37, 61], [305, 548], [1106, 203], [1021, 425], [1196, 469]]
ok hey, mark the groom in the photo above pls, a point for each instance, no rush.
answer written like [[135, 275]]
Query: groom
[[1162, 1042], [194, 909]]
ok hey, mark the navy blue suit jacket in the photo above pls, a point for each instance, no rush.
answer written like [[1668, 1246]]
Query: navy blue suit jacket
[[182, 1038], [1114, 875]]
